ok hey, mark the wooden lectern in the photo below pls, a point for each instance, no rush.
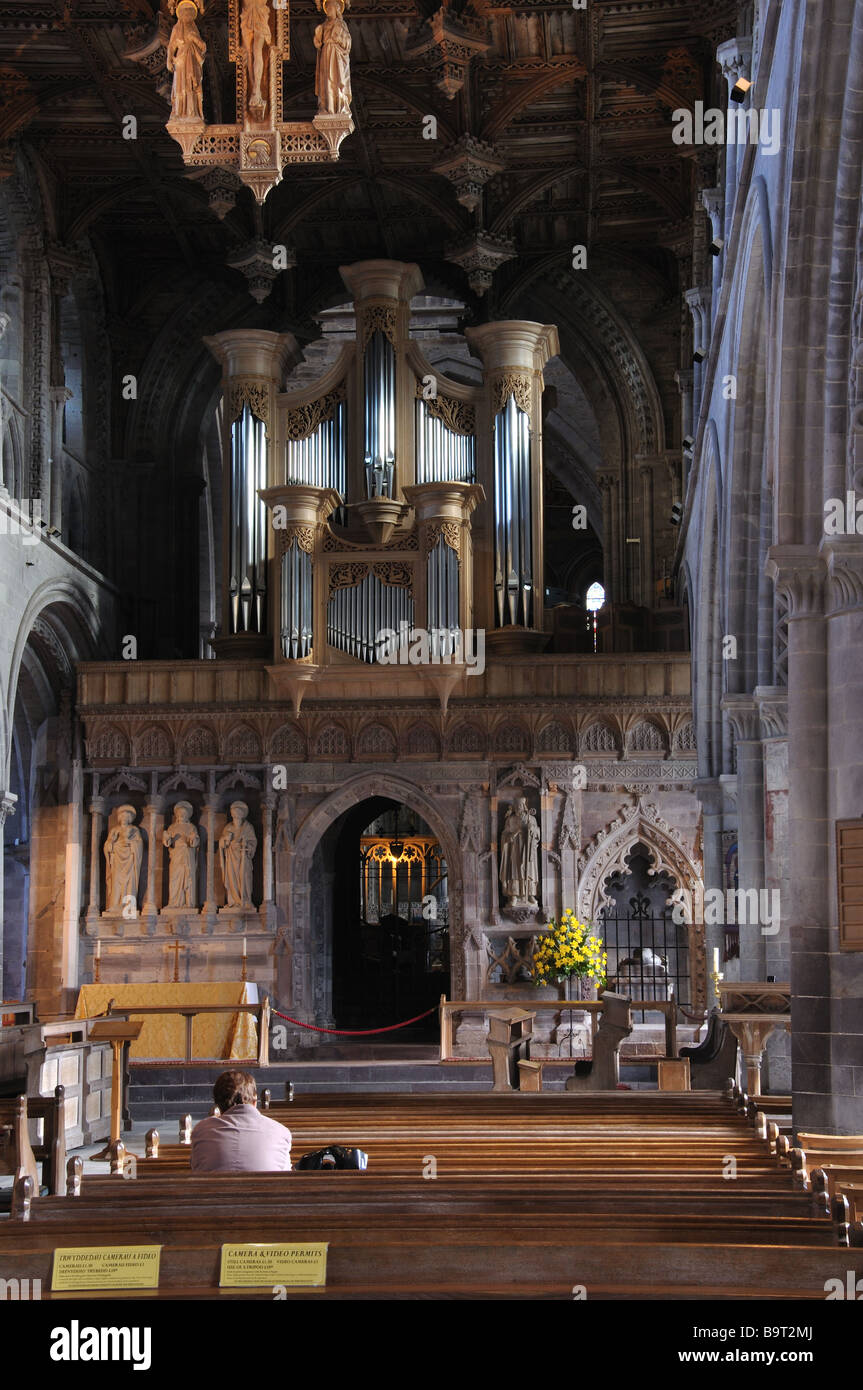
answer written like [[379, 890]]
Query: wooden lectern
[[119, 1032]]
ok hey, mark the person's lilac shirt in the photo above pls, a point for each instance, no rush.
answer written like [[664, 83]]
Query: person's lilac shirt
[[241, 1141]]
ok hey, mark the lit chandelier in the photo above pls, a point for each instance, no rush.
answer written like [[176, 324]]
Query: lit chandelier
[[260, 143]]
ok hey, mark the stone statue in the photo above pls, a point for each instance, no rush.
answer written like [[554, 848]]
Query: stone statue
[[185, 59], [237, 845], [333, 76], [257, 39], [181, 840], [519, 855], [644, 974], [124, 850]]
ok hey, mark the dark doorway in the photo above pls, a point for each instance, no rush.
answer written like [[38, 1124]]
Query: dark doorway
[[390, 921]]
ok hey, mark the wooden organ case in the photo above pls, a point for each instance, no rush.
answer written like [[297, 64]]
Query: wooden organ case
[[375, 519]]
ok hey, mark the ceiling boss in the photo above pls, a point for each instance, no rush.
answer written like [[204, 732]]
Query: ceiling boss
[[259, 144]]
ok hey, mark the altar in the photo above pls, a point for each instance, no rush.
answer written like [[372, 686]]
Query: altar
[[232, 1037]]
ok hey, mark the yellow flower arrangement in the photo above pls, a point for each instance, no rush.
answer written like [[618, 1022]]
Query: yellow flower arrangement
[[569, 948]]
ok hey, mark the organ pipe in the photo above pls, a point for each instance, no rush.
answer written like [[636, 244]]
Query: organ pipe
[[321, 458], [296, 602], [379, 379], [248, 525], [442, 575], [357, 616], [513, 518], [443, 456]]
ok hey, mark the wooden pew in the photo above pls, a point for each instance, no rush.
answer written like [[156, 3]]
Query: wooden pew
[[411, 1238], [19, 1153]]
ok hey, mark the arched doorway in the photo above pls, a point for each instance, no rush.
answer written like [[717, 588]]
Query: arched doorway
[[390, 917]]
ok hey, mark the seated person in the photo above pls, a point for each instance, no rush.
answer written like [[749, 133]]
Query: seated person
[[240, 1139]]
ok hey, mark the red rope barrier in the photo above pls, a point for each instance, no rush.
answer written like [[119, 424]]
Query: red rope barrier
[[354, 1032]]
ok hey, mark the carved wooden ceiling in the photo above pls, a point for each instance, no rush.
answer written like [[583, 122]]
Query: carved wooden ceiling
[[575, 104]]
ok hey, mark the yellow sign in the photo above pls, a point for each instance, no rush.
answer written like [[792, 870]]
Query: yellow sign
[[256, 1266], [107, 1267]]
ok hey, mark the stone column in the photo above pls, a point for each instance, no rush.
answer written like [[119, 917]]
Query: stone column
[[155, 820], [254, 362], [684, 380], [772, 702], [74, 876], [268, 906], [648, 594], [698, 300], [734, 58], [819, 1102], [211, 806], [8, 802], [710, 794], [745, 721], [608, 483], [712, 199], [97, 817]]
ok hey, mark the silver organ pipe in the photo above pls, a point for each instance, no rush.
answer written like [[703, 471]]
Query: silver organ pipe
[[321, 458], [443, 456], [379, 377], [248, 523], [513, 518], [296, 602], [443, 596], [357, 616]]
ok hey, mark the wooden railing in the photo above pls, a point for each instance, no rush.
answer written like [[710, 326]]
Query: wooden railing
[[190, 1011], [448, 1007]]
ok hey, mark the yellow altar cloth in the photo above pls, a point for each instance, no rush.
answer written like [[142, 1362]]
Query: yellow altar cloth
[[233, 1037]]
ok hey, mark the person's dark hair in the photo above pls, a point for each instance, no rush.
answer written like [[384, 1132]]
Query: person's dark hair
[[234, 1088]]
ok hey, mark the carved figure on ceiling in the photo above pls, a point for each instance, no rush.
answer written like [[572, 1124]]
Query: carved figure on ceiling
[[333, 76], [185, 59], [257, 40]]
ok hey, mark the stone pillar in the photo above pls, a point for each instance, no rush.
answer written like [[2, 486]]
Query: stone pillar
[[745, 721], [74, 877], [684, 380], [254, 362], [608, 484], [698, 300], [772, 702], [712, 200], [710, 794], [734, 58], [821, 1100], [155, 820], [648, 592], [8, 802], [268, 906], [97, 819], [211, 807]]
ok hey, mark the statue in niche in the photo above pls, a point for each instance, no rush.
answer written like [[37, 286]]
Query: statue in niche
[[519, 855], [257, 39], [185, 59], [237, 845], [124, 850], [333, 76], [181, 840]]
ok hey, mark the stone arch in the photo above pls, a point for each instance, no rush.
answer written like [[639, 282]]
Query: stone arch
[[317, 822], [647, 735], [607, 854], [288, 742]]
